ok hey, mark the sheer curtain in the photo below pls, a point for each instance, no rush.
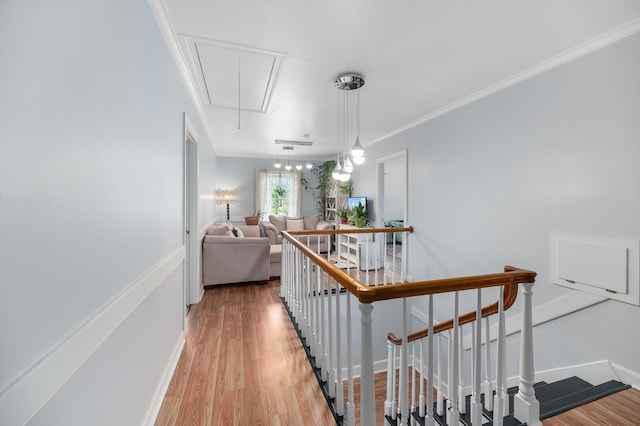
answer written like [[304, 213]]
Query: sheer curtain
[[268, 180]]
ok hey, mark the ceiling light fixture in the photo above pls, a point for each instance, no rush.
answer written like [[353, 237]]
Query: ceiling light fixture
[[346, 83]]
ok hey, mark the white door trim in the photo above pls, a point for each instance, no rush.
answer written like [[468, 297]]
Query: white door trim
[[193, 283]]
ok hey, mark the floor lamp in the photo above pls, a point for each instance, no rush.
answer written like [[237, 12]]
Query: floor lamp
[[227, 197]]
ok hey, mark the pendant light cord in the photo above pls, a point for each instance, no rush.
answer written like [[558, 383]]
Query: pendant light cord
[[238, 92]]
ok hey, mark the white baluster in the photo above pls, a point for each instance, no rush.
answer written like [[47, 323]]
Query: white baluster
[[331, 370], [394, 402], [499, 403], [339, 401], [462, 402], [367, 394], [422, 377], [429, 420], [526, 406], [454, 413], [476, 406], [487, 386], [404, 375], [440, 395], [413, 377], [351, 409], [388, 403]]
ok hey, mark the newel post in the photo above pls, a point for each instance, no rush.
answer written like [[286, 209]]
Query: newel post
[[367, 394], [526, 406]]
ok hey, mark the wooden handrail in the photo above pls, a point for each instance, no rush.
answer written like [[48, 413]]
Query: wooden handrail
[[509, 298], [348, 231], [366, 294]]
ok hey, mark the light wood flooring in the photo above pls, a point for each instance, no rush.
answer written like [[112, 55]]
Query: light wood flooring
[[243, 364]]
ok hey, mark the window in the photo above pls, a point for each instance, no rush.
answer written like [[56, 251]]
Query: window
[[278, 192]]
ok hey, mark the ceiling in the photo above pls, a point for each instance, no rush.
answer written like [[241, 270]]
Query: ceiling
[[418, 57]]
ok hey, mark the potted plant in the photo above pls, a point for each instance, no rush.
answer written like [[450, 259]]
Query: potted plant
[[358, 216], [255, 219], [343, 214]]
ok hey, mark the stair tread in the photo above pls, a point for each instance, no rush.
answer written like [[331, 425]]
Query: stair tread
[[560, 388], [580, 397]]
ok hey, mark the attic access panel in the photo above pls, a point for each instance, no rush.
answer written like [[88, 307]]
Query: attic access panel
[[215, 66]]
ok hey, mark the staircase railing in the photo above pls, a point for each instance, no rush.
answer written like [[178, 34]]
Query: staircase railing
[[315, 290]]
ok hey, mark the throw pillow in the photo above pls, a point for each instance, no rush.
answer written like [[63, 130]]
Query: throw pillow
[[295, 224], [263, 233], [311, 221], [278, 222], [220, 229], [237, 232]]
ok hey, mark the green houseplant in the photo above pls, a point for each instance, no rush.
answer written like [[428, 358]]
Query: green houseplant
[[358, 215], [343, 213], [325, 184]]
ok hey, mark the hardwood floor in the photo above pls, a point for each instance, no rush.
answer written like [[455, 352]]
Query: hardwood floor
[[243, 364]]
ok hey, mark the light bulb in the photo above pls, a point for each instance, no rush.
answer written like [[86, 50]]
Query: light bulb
[[277, 164], [357, 150], [298, 166], [288, 166], [358, 160], [309, 165]]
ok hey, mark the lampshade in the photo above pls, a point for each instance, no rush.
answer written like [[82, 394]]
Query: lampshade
[[288, 166], [277, 164], [298, 166], [226, 196], [309, 165]]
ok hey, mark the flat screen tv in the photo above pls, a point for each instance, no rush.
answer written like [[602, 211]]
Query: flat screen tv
[[352, 202]]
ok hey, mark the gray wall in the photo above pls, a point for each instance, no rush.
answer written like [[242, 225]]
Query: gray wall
[[91, 178], [489, 182], [239, 174]]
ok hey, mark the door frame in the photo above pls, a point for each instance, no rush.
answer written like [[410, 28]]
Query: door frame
[[380, 162], [193, 288]]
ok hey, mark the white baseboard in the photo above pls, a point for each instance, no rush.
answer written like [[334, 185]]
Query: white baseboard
[[626, 376], [30, 391], [161, 390]]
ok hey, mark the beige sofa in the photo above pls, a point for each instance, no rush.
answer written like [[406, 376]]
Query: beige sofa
[[227, 258], [277, 224], [255, 254]]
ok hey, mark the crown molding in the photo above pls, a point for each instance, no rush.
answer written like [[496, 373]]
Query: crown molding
[[603, 40], [161, 14]]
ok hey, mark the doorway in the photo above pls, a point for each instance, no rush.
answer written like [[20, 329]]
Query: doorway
[[393, 199], [192, 283]]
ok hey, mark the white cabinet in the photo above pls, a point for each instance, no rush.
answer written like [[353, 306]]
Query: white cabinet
[[357, 250]]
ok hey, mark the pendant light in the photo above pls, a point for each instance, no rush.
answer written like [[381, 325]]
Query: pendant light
[[348, 82], [357, 152]]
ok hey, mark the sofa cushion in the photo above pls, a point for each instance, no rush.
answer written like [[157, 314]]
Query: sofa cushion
[[295, 224], [275, 253], [223, 229], [278, 222], [310, 221], [250, 230]]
